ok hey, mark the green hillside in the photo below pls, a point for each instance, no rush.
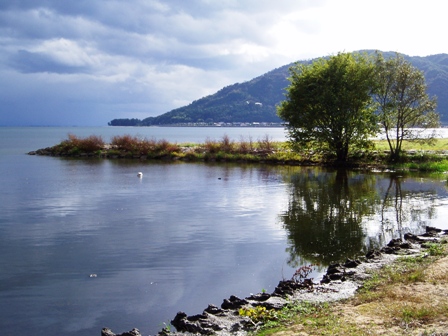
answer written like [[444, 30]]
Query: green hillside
[[256, 100]]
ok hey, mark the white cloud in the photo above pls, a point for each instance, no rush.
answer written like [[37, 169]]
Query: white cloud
[[141, 56], [68, 52]]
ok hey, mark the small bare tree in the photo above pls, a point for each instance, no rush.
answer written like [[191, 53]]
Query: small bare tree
[[404, 107]]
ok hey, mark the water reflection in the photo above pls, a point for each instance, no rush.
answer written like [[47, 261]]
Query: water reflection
[[182, 237], [407, 204], [337, 214], [325, 213]]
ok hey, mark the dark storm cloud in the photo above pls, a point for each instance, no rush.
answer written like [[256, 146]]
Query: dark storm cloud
[[129, 58], [138, 58]]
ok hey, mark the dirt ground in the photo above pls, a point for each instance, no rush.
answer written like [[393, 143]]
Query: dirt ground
[[377, 318]]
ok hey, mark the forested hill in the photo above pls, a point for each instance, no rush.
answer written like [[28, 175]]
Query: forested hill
[[256, 100]]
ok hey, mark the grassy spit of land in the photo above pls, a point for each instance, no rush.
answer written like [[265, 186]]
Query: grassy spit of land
[[422, 157], [407, 297]]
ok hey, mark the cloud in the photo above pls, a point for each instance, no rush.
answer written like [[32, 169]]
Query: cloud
[[140, 58], [54, 56]]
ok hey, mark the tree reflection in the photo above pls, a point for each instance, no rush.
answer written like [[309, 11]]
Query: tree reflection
[[325, 213], [407, 206]]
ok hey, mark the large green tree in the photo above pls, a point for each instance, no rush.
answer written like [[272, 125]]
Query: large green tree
[[329, 105], [404, 107]]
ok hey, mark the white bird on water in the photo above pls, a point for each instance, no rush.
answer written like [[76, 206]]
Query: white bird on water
[[140, 174]]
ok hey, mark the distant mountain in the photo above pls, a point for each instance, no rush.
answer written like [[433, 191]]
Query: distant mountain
[[256, 100]]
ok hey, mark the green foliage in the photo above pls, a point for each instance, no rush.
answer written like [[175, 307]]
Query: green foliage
[[308, 314], [411, 314], [258, 313], [428, 165], [125, 122], [328, 104], [435, 249], [405, 270], [403, 104]]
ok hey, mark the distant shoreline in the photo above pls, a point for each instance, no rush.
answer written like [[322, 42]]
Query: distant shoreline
[[248, 125]]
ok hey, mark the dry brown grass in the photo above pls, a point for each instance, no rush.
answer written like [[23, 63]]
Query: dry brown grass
[[138, 145], [394, 305], [91, 143]]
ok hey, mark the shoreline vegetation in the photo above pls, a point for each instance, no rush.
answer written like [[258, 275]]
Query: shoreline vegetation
[[416, 157]]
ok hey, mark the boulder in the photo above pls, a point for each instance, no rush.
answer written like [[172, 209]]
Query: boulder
[[233, 303], [108, 332]]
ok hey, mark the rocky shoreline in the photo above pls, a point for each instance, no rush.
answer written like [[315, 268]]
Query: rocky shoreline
[[340, 282]]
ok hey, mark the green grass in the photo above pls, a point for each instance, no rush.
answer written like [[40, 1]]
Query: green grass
[[437, 145], [434, 166]]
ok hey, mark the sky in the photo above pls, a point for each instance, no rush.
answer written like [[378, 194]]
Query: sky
[[86, 62]]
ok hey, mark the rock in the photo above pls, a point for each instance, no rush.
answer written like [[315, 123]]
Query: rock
[[390, 250], [287, 287], [395, 242], [430, 229], [259, 297], [336, 276], [275, 303], [164, 332], [197, 317], [334, 268], [349, 263], [412, 237], [233, 303], [325, 279], [405, 245], [212, 309], [423, 238], [373, 254], [181, 323], [194, 324], [108, 332]]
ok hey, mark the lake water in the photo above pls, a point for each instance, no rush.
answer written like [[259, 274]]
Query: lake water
[[183, 236]]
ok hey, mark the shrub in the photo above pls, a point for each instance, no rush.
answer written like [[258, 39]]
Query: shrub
[[167, 147], [92, 143], [137, 145], [126, 142], [74, 144], [226, 144], [245, 146], [258, 313], [265, 144], [211, 146]]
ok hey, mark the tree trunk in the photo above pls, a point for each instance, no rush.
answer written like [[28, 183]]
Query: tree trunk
[[342, 154]]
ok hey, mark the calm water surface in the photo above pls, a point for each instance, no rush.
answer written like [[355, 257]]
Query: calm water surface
[[183, 236]]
